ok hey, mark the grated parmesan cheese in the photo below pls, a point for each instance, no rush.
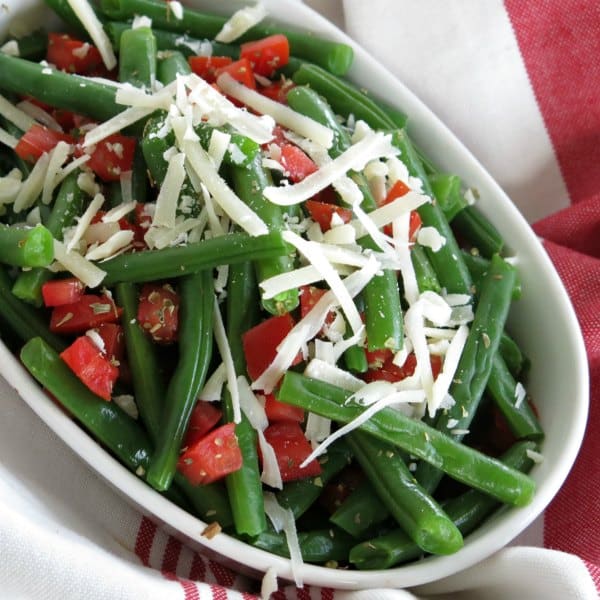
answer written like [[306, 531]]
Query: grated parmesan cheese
[[16, 116], [79, 266], [240, 22]]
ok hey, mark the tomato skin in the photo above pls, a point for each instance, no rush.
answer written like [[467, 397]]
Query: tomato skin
[[114, 341], [240, 70], [91, 366], [322, 213], [396, 191], [39, 139], [207, 66], [291, 448], [388, 371], [112, 156], [70, 54], [212, 457], [260, 343], [158, 312], [267, 55], [277, 90], [296, 163], [87, 313], [309, 296], [204, 417], [377, 358], [280, 411], [57, 292]]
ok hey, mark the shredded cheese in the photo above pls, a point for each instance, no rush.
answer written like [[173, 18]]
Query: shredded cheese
[[81, 267], [58, 156], [11, 113], [85, 220], [114, 244], [114, 125], [33, 185], [7, 139], [240, 22], [168, 196], [211, 392]]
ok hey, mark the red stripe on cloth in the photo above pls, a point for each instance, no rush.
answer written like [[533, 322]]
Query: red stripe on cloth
[[198, 569], [572, 521], [144, 540], [218, 592], [190, 590], [560, 46], [327, 594], [303, 593], [223, 576], [171, 558], [595, 573]]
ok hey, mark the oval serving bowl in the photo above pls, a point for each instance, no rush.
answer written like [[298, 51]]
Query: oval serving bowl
[[543, 322]]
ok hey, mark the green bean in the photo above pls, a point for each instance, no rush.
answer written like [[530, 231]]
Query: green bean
[[478, 266], [209, 501], [67, 205], [182, 260], [426, 278], [439, 449], [170, 64], [467, 511], [26, 246], [316, 546], [344, 97], [195, 349], [105, 420], [241, 152], [382, 297], [513, 356], [63, 9], [447, 262], [169, 41], [23, 319], [137, 59], [355, 359], [520, 418], [33, 45], [249, 184], [334, 56], [77, 94], [360, 511], [476, 360], [300, 495], [478, 231], [244, 485], [447, 190], [417, 513]]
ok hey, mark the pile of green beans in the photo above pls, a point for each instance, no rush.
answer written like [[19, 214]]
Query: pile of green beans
[[398, 508]]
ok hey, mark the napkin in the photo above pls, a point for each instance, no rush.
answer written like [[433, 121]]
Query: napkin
[[519, 83]]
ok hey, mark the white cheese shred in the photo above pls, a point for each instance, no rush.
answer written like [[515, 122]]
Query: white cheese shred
[[211, 392], [168, 196], [240, 22], [85, 13], [85, 220], [33, 185], [83, 269], [16, 116], [114, 125], [7, 139]]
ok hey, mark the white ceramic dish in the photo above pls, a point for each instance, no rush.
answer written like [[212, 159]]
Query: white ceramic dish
[[543, 322]]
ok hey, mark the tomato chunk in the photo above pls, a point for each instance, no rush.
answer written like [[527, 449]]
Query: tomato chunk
[[240, 70], [203, 418], [280, 411], [398, 190], [87, 313], [260, 343], [388, 371], [277, 90], [323, 213], [112, 156], [92, 367], [39, 139], [267, 55], [207, 66], [62, 291], [291, 449], [158, 312], [72, 55], [212, 457], [114, 341], [296, 163]]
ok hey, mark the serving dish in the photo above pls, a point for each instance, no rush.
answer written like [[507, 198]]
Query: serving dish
[[543, 323]]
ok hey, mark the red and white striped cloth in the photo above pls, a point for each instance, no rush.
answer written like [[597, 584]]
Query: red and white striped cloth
[[519, 83]]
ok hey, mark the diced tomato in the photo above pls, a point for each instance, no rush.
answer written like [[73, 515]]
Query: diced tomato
[[240, 70], [296, 163], [277, 90], [291, 449], [87, 313], [158, 312], [260, 343], [203, 418], [280, 411], [207, 66], [62, 291], [267, 55], [396, 191], [141, 216], [392, 373], [73, 55], [112, 156], [39, 139], [212, 457], [377, 358], [322, 213], [114, 341], [279, 138], [309, 296], [327, 195], [91, 366]]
